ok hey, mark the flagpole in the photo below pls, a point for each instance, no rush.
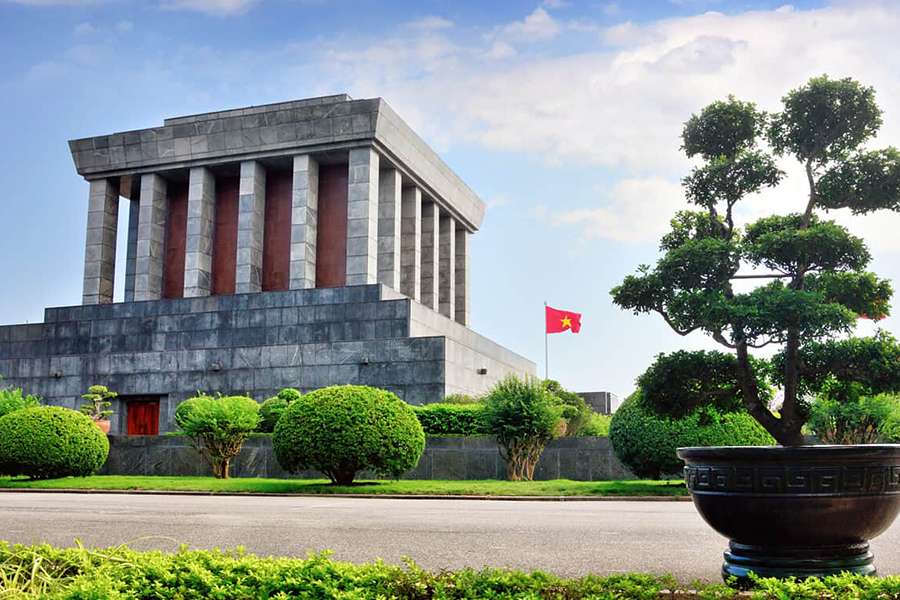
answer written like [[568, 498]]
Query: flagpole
[[546, 345]]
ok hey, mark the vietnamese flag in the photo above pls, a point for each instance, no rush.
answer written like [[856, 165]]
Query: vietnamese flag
[[559, 321]]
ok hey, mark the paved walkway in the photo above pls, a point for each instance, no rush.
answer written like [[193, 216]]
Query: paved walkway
[[567, 538]]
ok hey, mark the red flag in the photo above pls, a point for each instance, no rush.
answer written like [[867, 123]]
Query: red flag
[[559, 321]]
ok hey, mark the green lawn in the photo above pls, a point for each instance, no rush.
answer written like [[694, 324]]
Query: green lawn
[[559, 487]]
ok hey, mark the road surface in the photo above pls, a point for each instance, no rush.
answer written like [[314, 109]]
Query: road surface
[[566, 538]]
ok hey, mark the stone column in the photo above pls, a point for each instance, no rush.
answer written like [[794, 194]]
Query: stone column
[[463, 311], [304, 222], [201, 219], [389, 215], [251, 228], [100, 242], [362, 217], [151, 240], [447, 266], [411, 243], [134, 211], [430, 229]]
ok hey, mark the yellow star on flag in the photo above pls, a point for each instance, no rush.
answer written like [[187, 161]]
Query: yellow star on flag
[[566, 322]]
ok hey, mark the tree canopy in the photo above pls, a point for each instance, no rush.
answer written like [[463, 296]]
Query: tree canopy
[[813, 282]]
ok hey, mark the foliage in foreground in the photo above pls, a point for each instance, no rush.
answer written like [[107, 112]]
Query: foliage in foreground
[[121, 573], [646, 441], [50, 441], [343, 429], [218, 427]]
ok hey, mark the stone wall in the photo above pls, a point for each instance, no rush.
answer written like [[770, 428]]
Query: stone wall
[[251, 344], [583, 459]]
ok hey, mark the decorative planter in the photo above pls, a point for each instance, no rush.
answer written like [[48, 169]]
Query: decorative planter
[[103, 424], [805, 511]]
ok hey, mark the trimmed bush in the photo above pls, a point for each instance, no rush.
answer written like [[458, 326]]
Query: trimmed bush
[[12, 399], [596, 426], [452, 419], [460, 399], [272, 408], [343, 429], [523, 416], [217, 427], [46, 442], [646, 441]]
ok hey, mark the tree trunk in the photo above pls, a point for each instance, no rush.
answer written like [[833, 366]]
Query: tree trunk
[[785, 433]]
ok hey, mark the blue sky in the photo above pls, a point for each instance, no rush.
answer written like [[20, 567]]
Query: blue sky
[[562, 115]]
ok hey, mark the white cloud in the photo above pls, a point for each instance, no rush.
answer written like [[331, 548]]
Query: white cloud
[[634, 210], [210, 7], [536, 27], [430, 23], [84, 29]]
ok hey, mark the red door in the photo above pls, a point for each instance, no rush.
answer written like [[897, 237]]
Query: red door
[[143, 417]]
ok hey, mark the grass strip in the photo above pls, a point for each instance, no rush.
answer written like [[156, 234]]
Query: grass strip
[[559, 487]]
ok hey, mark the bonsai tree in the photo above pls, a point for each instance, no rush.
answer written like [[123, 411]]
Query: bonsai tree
[[98, 401], [218, 427], [523, 415], [810, 272]]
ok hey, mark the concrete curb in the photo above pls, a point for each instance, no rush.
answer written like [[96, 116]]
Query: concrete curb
[[377, 496]]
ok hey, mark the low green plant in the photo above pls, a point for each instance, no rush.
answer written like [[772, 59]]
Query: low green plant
[[270, 410], [460, 399], [452, 419], [596, 426], [341, 430], [646, 441], [575, 411], [842, 414], [12, 399], [46, 442], [217, 427], [97, 402], [523, 415]]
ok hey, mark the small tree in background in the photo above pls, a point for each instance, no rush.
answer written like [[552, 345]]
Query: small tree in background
[[813, 271], [218, 427], [98, 402], [575, 411], [272, 409], [523, 416]]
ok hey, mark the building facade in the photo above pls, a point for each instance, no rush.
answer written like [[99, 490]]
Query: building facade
[[301, 244]]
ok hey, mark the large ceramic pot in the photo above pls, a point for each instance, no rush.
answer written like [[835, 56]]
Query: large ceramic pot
[[805, 511]]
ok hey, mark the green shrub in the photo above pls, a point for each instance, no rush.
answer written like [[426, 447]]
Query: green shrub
[[842, 414], [341, 430], [460, 399], [272, 408], [596, 426], [217, 427], [646, 442], [575, 411], [45, 442], [12, 399], [452, 419], [523, 416]]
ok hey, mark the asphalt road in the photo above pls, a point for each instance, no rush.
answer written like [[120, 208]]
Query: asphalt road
[[567, 538]]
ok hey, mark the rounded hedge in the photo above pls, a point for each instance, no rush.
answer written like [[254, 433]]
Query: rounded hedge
[[271, 410], [646, 442], [340, 430], [50, 441]]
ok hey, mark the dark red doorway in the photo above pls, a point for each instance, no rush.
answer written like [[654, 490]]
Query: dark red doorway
[[143, 416]]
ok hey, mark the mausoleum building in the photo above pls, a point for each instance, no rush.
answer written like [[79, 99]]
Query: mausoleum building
[[300, 244]]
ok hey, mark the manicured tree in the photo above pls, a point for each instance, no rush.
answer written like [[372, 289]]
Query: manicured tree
[[97, 402], [217, 427], [271, 410], [343, 429], [523, 416], [575, 411], [812, 271]]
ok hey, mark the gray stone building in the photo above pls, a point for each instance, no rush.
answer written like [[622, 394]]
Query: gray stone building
[[301, 244]]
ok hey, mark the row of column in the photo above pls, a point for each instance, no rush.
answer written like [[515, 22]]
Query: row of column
[[395, 236]]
